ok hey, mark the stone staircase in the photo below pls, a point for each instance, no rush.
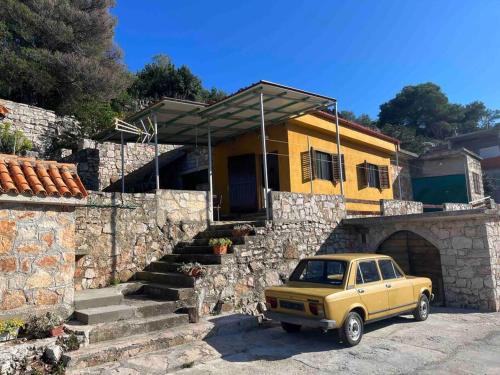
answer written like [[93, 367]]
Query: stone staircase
[[158, 304]]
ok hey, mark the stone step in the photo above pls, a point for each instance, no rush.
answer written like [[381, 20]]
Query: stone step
[[124, 328], [194, 249], [200, 258], [170, 278], [216, 233], [92, 298], [120, 349], [161, 266], [169, 292], [232, 223]]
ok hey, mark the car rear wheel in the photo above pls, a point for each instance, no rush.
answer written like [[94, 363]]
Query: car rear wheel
[[352, 330], [422, 310], [290, 328]]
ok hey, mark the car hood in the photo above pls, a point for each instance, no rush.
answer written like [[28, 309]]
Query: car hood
[[304, 290]]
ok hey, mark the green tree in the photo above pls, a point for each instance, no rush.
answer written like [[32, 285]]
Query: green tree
[[60, 54], [13, 141], [161, 78]]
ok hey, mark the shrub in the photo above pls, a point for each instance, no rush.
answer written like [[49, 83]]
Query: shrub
[[13, 141], [39, 327], [69, 343], [11, 326], [220, 242]]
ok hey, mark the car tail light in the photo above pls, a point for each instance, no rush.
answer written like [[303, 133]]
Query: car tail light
[[316, 308], [271, 302]]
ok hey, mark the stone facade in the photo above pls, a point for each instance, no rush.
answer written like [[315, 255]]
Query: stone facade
[[119, 235], [37, 258], [391, 207], [474, 167], [303, 225], [456, 206], [468, 245], [39, 125], [99, 164]]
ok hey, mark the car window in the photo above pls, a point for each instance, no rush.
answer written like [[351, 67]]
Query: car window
[[320, 271], [367, 272], [396, 269], [387, 269]]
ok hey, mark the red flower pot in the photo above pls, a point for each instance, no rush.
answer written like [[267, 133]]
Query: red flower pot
[[57, 331], [220, 249]]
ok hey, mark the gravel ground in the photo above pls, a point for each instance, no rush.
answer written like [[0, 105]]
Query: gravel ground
[[450, 341]]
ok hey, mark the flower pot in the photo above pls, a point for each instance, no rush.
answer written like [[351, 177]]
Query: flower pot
[[7, 336], [220, 249], [57, 331]]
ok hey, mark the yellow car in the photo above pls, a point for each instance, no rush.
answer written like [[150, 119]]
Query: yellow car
[[346, 291]]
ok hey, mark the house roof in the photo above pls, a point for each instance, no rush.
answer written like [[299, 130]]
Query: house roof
[[40, 178], [356, 126], [186, 122], [484, 133]]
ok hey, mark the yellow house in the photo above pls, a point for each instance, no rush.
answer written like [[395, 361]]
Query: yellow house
[[302, 158]]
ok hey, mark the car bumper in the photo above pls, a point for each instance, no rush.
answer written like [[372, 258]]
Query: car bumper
[[301, 321]]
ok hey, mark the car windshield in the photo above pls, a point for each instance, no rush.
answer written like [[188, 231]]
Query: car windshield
[[330, 272]]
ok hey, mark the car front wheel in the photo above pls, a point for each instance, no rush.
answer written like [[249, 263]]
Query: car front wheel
[[290, 328], [352, 330], [422, 310]]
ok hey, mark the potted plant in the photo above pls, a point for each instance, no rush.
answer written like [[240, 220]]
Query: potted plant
[[46, 325], [220, 245], [242, 230], [192, 269], [9, 329]]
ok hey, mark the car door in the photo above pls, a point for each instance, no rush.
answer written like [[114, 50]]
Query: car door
[[399, 288], [371, 288]]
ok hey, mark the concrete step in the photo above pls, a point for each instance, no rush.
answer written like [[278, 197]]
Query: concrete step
[[200, 258], [131, 346], [170, 278], [162, 266], [124, 328], [169, 292], [134, 306], [92, 298], [204, 241], [104, 314], [216, 233], [194, 249], [232, 223]]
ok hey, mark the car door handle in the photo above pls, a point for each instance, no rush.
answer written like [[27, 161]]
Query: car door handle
[[388, 285], [361, 290]]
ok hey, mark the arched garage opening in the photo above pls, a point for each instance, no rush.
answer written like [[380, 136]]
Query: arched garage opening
[[416, 256]]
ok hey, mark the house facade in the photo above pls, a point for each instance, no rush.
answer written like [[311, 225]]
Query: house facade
[[485, 143], [302, 158]]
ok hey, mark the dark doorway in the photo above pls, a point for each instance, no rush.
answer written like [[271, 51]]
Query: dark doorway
[[273, 171], [417, 257], [242, 183]]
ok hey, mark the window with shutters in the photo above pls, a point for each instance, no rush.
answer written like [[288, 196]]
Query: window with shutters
[[323, 164], [371, 175]]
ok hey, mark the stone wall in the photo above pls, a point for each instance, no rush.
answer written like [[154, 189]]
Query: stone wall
[[474, 166], [303, 225], [391, 207], [39, 125], [36, 258], [456, 206], [99, 164], [401, 176], [121, 234], [468, 245]]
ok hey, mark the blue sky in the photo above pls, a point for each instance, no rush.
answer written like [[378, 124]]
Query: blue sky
[[359, 51]]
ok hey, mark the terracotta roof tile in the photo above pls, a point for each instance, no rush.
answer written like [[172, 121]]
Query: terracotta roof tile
[[40, 178]]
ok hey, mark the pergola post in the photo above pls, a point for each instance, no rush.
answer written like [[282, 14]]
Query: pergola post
[[264, 155], [122, 150], [399, 174], [210, 181], [339, 155], [157, 168]]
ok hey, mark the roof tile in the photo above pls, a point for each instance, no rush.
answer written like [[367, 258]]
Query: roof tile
[[41, 178]]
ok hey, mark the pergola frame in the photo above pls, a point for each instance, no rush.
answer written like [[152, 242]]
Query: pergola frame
[[251, 109]]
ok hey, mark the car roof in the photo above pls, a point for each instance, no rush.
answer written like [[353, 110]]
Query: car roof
[[348, 256]]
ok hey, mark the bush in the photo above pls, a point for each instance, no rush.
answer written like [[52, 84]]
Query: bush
[[11, 326], [220, 242], [13, 141]]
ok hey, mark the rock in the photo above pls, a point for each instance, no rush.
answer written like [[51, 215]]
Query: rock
[[53, 354]]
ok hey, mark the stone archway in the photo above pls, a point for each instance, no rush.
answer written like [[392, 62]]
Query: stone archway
[[416, 256]]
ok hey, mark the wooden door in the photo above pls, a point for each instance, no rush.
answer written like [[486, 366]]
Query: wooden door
[[242, 183]]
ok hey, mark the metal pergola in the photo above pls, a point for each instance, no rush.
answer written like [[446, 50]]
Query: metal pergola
[[182, 122]]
